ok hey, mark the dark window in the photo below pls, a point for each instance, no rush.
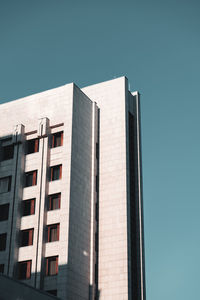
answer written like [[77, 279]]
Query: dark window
[[1, 268], [57, 139], [96, 241], [32, 146], [7, 152], [4, 211], [97, 183], [53, 232], [54, 201], [97, 150], [56, 172], [26, 237], [24, 269], [96, 272], [31, 178], [7, 140], [3, 241], [5, 184], [52, 292], [51, 265], [28, 207]]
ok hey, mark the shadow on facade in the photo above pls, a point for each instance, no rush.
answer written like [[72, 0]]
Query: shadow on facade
[[52, 287], [12, 289]]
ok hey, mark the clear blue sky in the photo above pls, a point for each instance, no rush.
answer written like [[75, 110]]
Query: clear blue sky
[[156, 44]]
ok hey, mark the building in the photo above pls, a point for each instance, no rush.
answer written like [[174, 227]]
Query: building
[[71, 192], [12, 289]]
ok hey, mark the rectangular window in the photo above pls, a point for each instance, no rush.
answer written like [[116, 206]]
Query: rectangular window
[[30, 178], [3, 237], [7, 152], [5, 184], [32, 146], [4, 211], [24, 270], [57, 139], [28, 207], [53, 232], [55, 172], [1, 268], [97, 150], [54, 201], [51, 265], [52, 292], [26, 237], [97, 183]]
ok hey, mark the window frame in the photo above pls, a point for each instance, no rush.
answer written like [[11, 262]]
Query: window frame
[[9, 184], [2, 267], [3, 242], [50, 234], [34, 178], [5, 149], [52, 169], [52, 292], [32, 207], [48, 260], [30, 232], [30, 149], [28, 269], [50, 201], [4, 216], [54, 141]]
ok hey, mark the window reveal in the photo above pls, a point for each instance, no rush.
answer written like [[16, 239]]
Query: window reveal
[[1, 268], [51, 265], [24, 270], [3, 237], [32, 146], [4, 211], [57, 139], [54, 201], [26, 237], [30, 178], [7, 152], [53, 232], [55, 172], [5, 184], [28, 207]]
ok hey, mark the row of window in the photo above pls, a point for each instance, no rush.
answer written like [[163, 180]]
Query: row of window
[[30, 178], [28, 206], [26, 236], [24, 268], [52, 235], [32, 146], [24, 271]]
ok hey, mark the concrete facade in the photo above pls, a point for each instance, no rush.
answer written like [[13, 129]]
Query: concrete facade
[[14, 289], [100, 245]]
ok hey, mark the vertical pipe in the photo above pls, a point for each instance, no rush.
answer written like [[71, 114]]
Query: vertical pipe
[[13, 207]]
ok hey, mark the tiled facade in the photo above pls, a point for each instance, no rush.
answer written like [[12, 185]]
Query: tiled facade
[[87, 243]]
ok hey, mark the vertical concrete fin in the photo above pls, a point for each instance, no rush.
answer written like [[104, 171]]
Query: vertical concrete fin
[[18, 133], [43, 126], [93, 201]]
